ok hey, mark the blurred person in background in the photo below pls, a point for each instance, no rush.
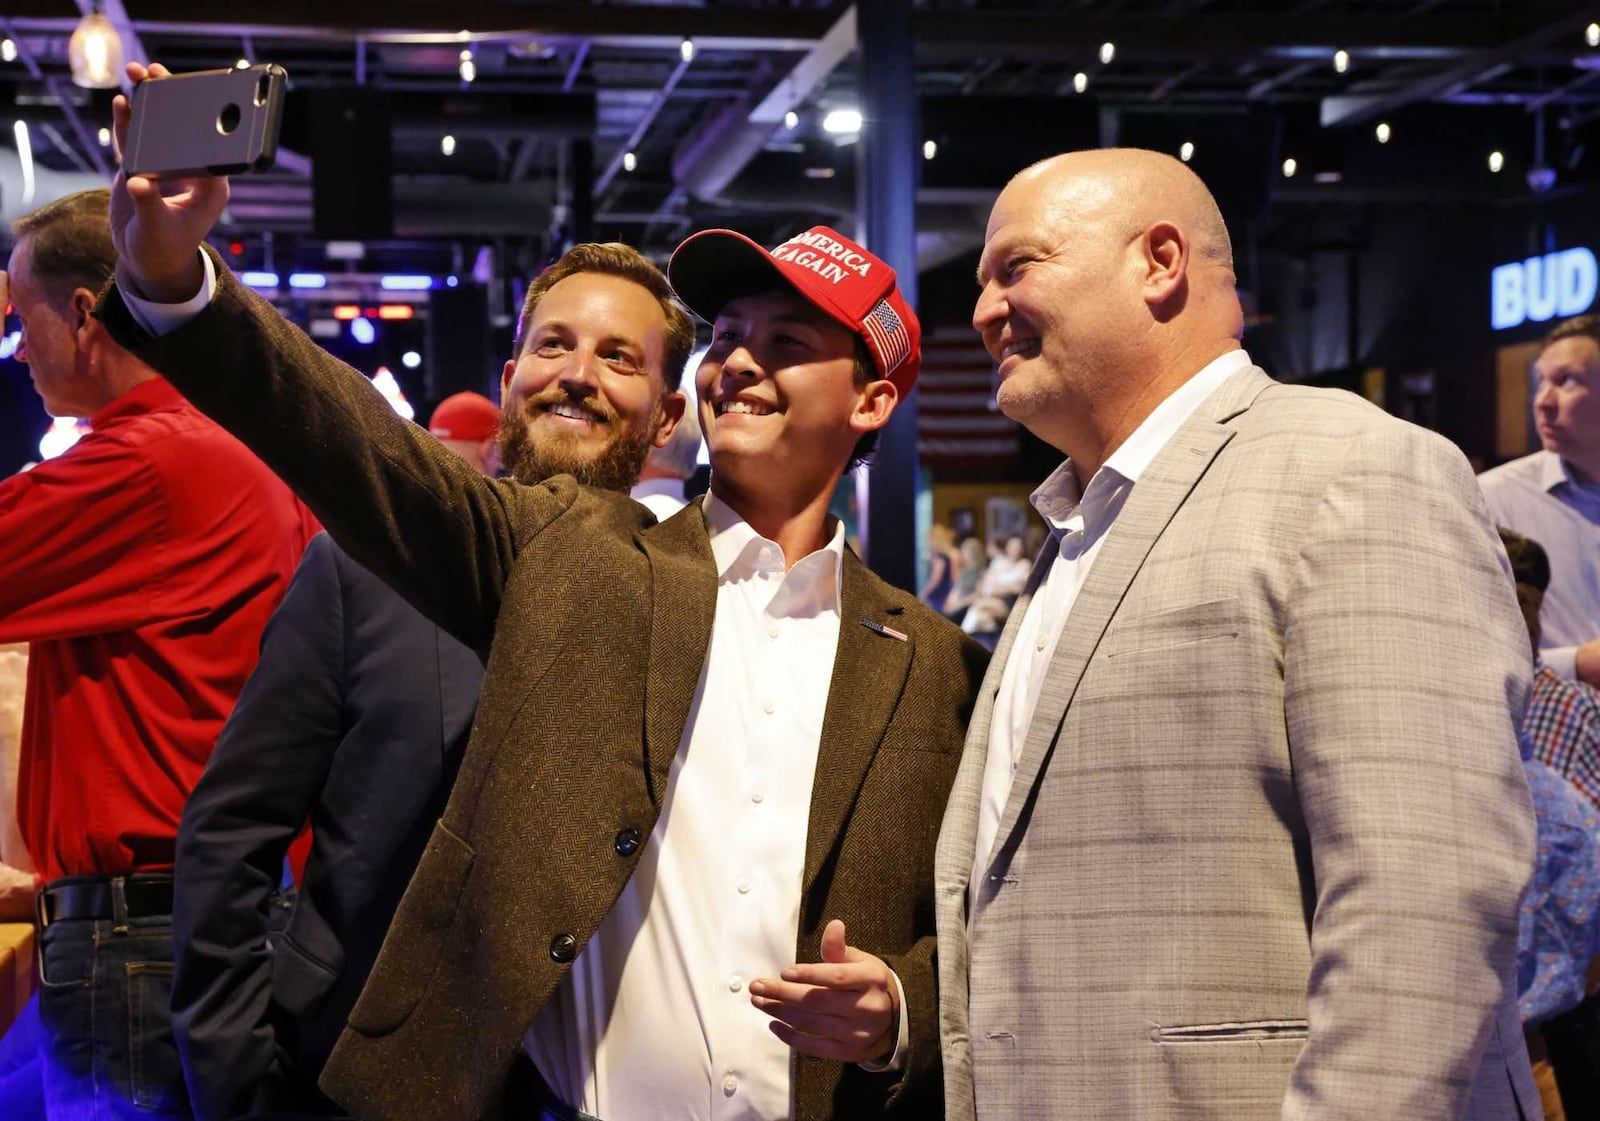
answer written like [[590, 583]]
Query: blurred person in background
[[970, 565], [468, 424], [668, 469], [1553, 496], [1558, 934], [141, 565], [942, 562]]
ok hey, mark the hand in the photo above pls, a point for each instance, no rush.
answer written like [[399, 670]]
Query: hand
[[1586, 663], [844, 1007], [17, 889], [157, 226]]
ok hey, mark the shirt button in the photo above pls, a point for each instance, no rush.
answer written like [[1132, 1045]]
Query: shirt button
[[757, 797], [772, 632], [735, 983], [1039, 645], [768, 707], [744, 887], [626, 841], [563, 948], [730, 1085]]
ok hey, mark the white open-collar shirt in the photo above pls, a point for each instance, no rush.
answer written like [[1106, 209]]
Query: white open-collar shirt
[[1079, 523], [654, 1023]]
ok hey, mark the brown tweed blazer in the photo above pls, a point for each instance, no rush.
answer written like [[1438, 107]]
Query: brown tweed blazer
[[595, 623]]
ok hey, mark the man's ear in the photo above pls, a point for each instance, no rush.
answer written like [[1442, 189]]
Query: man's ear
[[672, 409], [1166, 261], [506, 374], [82, 310], [878, 400]]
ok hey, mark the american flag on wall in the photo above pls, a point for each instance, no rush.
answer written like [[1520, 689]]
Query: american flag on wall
[[957, 421]]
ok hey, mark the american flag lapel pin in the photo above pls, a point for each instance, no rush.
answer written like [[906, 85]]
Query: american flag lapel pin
[[878, 628]]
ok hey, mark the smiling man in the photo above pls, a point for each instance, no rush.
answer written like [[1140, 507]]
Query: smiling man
[[707, 750], [1553, 496], [1243, 833]]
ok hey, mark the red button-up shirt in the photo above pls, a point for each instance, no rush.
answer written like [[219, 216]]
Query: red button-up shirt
[[142, 565]]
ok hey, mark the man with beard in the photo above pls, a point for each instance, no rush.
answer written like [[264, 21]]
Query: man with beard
[[359, 710], [681, 806]]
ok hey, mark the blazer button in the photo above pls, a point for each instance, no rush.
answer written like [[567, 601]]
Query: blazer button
[[563, 948], [626, 842]]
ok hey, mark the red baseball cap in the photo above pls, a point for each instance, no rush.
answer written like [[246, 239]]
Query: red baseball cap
[[829, 270], [465, 416]]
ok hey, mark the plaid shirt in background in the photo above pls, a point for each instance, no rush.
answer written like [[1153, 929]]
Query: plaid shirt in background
[[1563, 721]]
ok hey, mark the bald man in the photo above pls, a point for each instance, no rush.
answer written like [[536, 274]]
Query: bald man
[[1241, 827]]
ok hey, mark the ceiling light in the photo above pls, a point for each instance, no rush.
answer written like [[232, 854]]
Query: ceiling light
[[629, 161], [820, 173], [104, 137], [447, 144], [842, 120], [8, 50], [468, 70], [1383, 132], [411, 360], [1080, 81], [25, 159], [1108, 51], [95, 53], [930, 148], [1186, 151], [1591, 34], [791, 120], [1341, 61], [242, 64], [1290, 166], [1497, 160], [686, 50]]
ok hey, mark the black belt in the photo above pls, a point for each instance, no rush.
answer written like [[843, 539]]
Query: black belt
[[144, 895]]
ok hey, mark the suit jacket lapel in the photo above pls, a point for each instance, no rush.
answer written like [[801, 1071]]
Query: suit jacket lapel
[[1156, 497], [869, 673], [683, 577]]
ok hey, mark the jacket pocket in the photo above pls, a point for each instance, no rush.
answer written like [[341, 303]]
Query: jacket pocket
[[300, 982], [1211, 621], [1248, 1031], [418, 937]]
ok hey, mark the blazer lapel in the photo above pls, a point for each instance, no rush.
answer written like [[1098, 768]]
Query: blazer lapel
[[869, 673], [683, 578], [1160, 491]]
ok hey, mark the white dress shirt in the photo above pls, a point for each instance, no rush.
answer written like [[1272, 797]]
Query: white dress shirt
[[1540, 497], [1079, 525], [662, 497], [654, 1022]]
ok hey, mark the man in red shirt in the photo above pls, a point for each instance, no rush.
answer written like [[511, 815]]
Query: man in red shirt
[[141, 565]]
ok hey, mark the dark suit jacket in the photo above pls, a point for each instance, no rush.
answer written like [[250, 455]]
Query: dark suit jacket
[[596, 623], [355, 719]]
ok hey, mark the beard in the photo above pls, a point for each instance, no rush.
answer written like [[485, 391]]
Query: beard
[[615, 465]]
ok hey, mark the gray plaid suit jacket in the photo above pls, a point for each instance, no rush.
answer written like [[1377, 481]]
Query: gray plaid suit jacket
[[1269, 830]]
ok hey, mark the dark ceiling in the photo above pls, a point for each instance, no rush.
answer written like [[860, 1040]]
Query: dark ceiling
[[1249, 83]]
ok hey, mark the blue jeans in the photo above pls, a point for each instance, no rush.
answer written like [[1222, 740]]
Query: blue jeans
[[102, 1034]]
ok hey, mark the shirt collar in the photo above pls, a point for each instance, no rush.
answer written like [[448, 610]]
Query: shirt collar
[[739, 550], [150, 396], [668, 488], [1553, 471], [1057, 499], [1135, 453]]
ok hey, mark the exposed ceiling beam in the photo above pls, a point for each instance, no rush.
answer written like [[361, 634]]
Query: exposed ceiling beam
[[1481, 66], [643, 126], [61, 91]]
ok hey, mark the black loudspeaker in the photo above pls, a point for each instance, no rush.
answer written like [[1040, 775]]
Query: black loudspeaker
[[352, 186], [460, 354]]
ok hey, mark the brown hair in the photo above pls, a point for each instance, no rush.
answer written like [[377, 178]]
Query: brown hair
[[1581, 326], [612, 258], [70, 243]]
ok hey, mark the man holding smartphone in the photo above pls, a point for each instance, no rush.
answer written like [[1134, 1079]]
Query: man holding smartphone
[[707, 750]]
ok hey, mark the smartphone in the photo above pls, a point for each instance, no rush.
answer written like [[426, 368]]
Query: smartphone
[[211, 122]]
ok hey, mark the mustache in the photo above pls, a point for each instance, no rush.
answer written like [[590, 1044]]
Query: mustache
[[546, 399]]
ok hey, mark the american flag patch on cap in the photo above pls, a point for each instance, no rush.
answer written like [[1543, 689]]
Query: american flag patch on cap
[[889, 335]]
